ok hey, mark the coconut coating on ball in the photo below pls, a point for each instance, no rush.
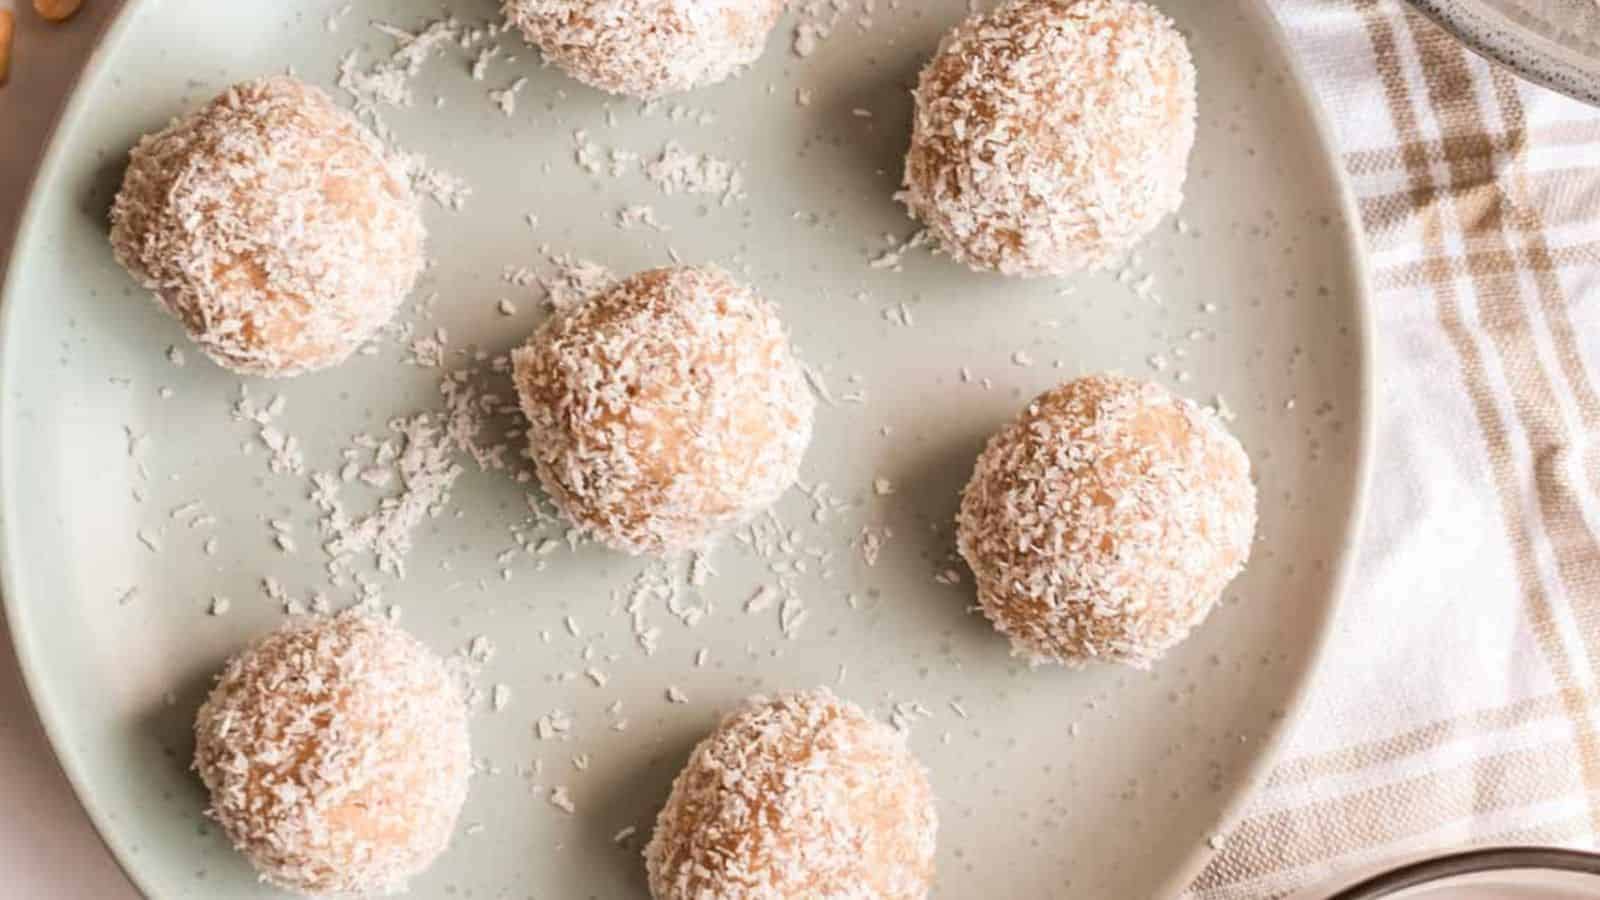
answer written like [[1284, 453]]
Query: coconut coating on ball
[[1050, 136], [336, 754], [647, 48], [273, 225], [1106, 521], [798, 797], [664, 409]]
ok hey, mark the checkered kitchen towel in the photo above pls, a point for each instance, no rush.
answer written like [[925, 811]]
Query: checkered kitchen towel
[[1458, 705]]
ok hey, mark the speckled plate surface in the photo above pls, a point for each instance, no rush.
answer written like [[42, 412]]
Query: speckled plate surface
[[1553, 42], [1101, 783]]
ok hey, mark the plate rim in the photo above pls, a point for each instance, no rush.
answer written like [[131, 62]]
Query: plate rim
[[1503, 42], [1316, 658], [110, 41]]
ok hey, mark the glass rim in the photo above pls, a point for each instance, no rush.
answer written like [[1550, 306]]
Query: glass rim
[[1470, 862]]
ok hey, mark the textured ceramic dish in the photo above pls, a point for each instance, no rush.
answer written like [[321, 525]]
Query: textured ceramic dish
[[1553, 42], [1105, 782]]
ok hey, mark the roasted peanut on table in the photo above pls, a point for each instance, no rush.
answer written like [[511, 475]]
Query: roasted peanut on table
[[8, 26], [56, 10]]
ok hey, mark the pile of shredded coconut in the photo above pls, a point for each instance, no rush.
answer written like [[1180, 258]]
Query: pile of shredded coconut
[[420, 455], [336, 753], [801, 795], [1050, 137], [1106, 521], [647, 48], [276, 228], [664, 409]]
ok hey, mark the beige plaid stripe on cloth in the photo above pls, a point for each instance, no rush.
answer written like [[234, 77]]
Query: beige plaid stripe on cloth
[[1457, 705]]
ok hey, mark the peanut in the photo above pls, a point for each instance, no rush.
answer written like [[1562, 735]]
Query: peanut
[[8, 27], [56, 10]]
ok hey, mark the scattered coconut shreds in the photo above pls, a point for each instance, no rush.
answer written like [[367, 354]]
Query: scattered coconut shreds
[[638, 215], [893, 257], [285, 456], [819, 385], [623, 834], [331, 23], [500, 697], [220, 606], [675, 694], [761, 600], [481, 650], [506, 98], [883, 487], [676, 170], [428, 351], [127, 596], [905, 714], [872, 541], [420, 450], [387, 82], [447, 190], [554, 726], [562, 800], [569, 282]]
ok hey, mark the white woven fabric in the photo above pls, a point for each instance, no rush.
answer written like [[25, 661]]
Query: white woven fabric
[[1458, 702]]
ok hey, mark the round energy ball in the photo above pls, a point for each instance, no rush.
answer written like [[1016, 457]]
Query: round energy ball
[[272, 225], [799, 797], [664, 409], [1106, 521], [336, 754], [647, 48], [1050, 136]]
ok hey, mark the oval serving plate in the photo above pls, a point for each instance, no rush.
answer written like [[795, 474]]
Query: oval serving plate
[[118, 467]]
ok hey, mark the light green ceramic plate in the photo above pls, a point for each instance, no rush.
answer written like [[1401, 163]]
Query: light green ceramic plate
[[1094, 784]]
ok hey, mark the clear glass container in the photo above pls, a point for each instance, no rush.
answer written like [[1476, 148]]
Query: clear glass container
[[1500, 873]]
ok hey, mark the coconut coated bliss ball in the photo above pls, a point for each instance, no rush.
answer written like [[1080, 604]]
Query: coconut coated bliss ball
[[798, 797], [647, 48], [273, 225], [1050, 136], [1105, 522], [336, 754], [664, 409]]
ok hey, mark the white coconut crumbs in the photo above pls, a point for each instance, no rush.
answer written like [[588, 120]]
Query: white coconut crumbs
[[676, 170], [872, 541], [561, 799], [638, 215], [506, 98]]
